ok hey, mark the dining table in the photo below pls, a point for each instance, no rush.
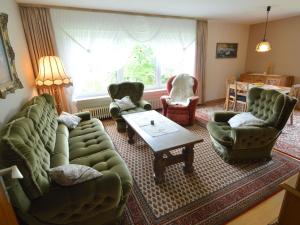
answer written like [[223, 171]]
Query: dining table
[[281, 89]]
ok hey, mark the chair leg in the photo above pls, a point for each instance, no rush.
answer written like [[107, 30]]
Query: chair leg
[[292, 118], [234, 105]]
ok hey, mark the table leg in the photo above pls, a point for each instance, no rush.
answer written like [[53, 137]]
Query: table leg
[[159, 168], [130, 133], [188, 154]]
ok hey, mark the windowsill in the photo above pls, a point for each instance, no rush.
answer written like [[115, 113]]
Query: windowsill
[[147, 94]]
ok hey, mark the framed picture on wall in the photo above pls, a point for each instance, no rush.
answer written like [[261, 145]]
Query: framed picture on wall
[[9, 80], [226, 50]]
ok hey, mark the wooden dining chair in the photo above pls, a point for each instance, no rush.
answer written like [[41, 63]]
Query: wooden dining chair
[[241, 92], [273, 81], [230, 92], [295, 92]]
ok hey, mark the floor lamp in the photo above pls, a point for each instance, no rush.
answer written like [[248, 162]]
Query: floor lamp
[[52, 78]]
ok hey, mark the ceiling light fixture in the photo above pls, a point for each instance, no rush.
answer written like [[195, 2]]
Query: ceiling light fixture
[[264, 45]]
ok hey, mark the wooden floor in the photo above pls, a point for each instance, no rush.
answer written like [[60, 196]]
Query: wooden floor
[[265, 212], [262, 214]]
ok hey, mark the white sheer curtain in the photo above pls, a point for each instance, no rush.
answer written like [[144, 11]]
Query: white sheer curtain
[[94, 45]]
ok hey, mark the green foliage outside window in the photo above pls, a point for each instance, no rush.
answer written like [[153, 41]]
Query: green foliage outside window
[[141, 66]]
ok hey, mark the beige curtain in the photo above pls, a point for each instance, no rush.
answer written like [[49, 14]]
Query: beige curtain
[[201, 46], [40, 39]]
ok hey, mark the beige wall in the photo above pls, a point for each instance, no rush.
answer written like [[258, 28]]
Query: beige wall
[[284, 58], [13, 102], [219, 69]]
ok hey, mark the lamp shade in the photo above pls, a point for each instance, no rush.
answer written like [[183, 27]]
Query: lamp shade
[[263, 46], [51, 72]]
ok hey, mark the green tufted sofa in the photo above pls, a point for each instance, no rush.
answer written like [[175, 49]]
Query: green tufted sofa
[[252, 142], [35, 142], [132, 89]]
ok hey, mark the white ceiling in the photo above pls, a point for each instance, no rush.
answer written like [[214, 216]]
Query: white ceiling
[[239, 11]]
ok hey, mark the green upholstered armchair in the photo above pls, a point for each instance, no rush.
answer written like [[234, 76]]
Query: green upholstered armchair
[[135, 91], [252, 142]]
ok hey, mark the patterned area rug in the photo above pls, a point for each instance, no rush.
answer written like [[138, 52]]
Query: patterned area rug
[[287, 143], [215, 193]]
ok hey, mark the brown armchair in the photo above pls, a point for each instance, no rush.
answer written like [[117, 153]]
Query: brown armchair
[[181, 114]]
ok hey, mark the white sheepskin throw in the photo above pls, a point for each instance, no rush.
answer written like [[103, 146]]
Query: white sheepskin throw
[[182, 90]]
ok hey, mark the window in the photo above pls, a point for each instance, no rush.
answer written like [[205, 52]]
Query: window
[[98, 49]]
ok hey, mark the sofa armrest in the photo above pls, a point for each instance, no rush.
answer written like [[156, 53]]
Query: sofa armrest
[[144, 104], [114, 109], [223, 116], [84, 115], [251, 136], [73, 204]]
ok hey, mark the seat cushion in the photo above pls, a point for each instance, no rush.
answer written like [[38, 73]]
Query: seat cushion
[[88, 138], [91, 146], [135, 110], [108, 160], [221, 131]]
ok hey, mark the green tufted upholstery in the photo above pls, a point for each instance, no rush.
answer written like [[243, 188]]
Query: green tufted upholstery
[[35, 142], [21, 145], [252, 142], [135, 91]]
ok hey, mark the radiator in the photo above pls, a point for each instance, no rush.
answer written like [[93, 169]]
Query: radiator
[[98, 112], [102, 112]]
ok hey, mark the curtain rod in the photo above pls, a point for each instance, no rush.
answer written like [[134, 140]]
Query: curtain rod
[[106, 11]]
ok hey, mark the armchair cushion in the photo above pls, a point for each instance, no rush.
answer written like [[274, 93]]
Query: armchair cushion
[[245, 119], [223, 116], [125, 103]]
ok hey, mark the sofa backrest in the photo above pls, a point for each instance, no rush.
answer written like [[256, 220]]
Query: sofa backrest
[[134, 90], [41, 110], [270, 105], [21, 145]]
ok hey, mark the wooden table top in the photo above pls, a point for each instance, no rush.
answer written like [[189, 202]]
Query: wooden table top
[[179, 138], [281, 89]]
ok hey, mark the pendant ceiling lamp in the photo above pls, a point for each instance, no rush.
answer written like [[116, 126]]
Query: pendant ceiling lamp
[[264, 45]]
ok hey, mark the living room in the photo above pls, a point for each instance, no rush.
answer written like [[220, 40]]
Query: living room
[[86, 53]]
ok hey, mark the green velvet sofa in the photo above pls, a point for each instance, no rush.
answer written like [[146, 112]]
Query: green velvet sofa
[[252, 143], [135, 91], [35, 142]]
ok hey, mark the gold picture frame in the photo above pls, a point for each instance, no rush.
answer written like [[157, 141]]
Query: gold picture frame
[[9, 80]]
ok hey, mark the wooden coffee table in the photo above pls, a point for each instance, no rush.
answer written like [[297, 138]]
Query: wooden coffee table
[[162, 137]]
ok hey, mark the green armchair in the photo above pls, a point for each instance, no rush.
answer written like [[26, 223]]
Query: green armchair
[[252, 142], [135, 91]]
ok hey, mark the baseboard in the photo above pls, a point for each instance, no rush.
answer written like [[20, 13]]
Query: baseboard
[[219, 100]]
